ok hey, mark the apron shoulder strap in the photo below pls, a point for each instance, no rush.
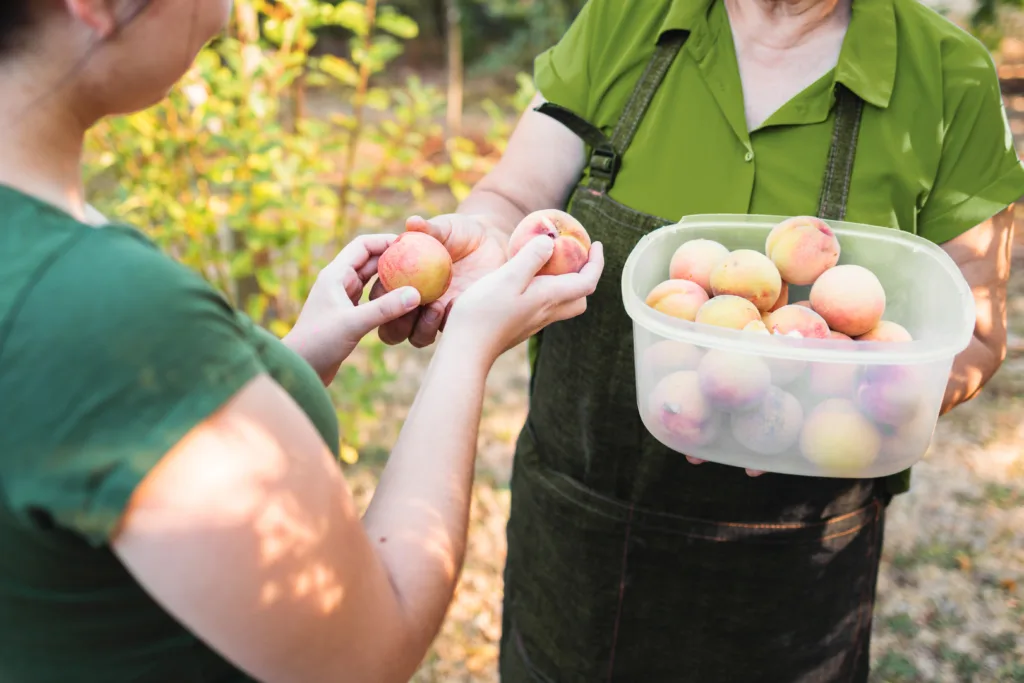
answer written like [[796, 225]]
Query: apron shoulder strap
[[606, 154], [835, 186]]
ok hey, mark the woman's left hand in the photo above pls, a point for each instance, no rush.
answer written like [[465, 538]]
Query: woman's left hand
[[332, 320]]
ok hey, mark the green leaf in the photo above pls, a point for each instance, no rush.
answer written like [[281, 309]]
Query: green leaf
[[339, 69], [397, 24]]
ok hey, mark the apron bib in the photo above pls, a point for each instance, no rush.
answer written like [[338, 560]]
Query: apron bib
[[625, 562]]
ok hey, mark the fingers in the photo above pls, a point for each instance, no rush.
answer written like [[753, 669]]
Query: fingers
[[562, 288], [750, 473], [522, 268], [384, 309], [438, 228], [424, 333], [359, 251], [395, 331]]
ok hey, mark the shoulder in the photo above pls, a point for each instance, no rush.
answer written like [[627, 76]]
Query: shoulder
[[940, 48]]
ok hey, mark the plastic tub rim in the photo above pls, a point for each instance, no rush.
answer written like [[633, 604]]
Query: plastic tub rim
[[916, 352]]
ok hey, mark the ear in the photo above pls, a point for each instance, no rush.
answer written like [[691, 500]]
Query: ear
[[99, 15]]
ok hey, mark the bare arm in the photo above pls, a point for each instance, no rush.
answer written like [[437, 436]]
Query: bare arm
[[983, 254], [540, 166], [248, 535]]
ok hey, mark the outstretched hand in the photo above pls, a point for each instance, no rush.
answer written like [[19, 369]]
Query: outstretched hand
[[476, 251]]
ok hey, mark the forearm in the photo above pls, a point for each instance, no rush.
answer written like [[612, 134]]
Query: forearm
[[419, 514], [496, 210], [971, 370]]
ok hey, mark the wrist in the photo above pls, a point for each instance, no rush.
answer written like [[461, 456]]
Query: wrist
[[466, 347]]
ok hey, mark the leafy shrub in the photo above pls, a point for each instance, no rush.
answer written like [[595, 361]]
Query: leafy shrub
[[233, 175]]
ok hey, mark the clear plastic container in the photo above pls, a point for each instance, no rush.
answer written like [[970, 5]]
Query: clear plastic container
[[791, 405]]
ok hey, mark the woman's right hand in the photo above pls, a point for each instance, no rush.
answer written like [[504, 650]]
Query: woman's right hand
[[511, 304]]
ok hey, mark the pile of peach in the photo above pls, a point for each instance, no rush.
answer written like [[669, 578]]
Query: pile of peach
[[841, 417]]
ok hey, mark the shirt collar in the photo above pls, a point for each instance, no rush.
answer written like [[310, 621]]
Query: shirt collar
[[867, 60]]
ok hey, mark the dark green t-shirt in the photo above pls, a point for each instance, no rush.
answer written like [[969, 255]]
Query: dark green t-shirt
[[110, 352]]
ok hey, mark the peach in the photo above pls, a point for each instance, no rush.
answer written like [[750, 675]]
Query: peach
[[572, 243], [749, 274], [797, 319], [694, 261], [772, 426], [839, 439], [890, 394], [733, 381], [805, 303], [783, 298], [850, 299], [728, 311], [756, 326], [668, 356], [886, 331], [416, 260], [785, 370], [678, 298], [909, 441], [837, 380], [838, 336], [680, 413], [802, 248]]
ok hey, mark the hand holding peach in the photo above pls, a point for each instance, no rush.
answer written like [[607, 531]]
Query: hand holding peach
[[572, 243]]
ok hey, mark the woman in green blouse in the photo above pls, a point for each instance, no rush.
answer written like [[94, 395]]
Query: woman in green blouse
[[171, 506], [626, 561]]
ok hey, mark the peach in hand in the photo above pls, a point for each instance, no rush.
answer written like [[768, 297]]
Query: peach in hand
[[850, 299], [694, 261], [677, 298], [802, 248], [729, 311], [748, 274], [417, 260], [680, 413], [572, 243]]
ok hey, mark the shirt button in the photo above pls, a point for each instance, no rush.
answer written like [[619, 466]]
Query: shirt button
[[749, 156]]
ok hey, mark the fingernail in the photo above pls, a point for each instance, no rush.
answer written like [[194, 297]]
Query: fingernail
[[410, 297], [431, 316], [693, 461]]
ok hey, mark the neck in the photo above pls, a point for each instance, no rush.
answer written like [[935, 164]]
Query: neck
[[783, 24], [41, 136]]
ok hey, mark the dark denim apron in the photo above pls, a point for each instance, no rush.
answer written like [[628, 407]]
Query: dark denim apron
[[625, 562]]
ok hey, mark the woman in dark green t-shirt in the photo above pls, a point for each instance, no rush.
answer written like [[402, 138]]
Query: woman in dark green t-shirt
[[171, 506]]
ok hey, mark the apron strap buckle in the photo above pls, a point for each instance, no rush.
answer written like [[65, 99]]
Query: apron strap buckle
[[604, 165]]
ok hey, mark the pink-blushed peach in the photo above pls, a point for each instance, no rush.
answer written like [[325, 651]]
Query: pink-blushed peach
[[733, 381], [802, 248], [850, 298], [839, 439], [797, 319], [677, 298], [668, 356], [772, 426], [694, 260], [729, 311], [886, 331], [572, 243], [805, 303], [890, 394], [748, 274], [417, 260], [680, 413]]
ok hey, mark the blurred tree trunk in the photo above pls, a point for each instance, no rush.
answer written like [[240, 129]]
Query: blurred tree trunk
[[453, 33]]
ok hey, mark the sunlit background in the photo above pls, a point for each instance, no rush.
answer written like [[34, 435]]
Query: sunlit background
[[313, 121]]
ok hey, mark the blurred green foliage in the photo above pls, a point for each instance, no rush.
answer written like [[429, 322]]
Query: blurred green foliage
[[236, 176]]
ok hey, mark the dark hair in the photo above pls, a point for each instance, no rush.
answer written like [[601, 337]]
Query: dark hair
[[15, 16]]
